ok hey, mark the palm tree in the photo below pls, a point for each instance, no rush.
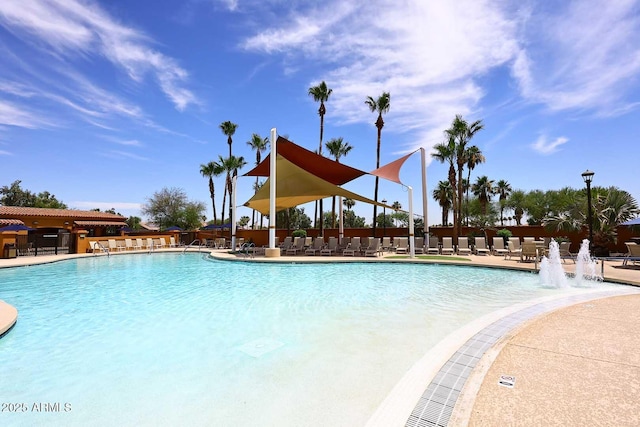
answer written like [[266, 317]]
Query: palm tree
[[231, 165], [259, 144], [396, 206], [380, 106], [445, 153], [320, 94], [348, 203], [337, 148], [503, 189], [443, 194], [461, 132], [517, 201], [210, 170], [228, 128], [256, 187], [474, 158], [483, 190]]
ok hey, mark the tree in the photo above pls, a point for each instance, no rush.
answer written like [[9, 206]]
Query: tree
[[228, 128], [293, 218], [348, 203], [14, 195], [231, 166], [461, 132], [210, 170], [474, 158], [503, 190], [483, 190], [320, 94], [380, 106], [396, 206], [337, 148], [171, 206], [445, 153], [443, 194], [351, 220], [244, 220], [134, 222], [258, 144], [385, 221], [517, 202]]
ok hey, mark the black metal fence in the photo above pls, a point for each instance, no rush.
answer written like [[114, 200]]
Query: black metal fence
[[35, 244]]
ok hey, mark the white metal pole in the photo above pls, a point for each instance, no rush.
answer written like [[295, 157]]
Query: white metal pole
[[424, 189], [412, 243], [234, 181], [272, 190], [341, 219]]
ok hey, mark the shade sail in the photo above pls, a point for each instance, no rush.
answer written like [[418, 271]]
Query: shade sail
[[391, 171], [296, 186], [329, 170]]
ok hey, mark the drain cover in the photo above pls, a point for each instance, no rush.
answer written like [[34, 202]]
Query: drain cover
[[260, 347], [507, 381]]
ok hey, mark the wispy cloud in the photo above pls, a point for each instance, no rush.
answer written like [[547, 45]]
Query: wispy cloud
[[13, 115], [545, 147], [117, 154], [72, 29], [5, 153]]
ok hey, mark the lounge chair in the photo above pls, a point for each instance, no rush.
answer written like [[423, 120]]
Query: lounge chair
[[463, 246], [386, 243], [298, 246], [529, 251], [419, 245], [343, 244], [480, 246], [512, 250], [172, 242], [330, 249], [516, 242], [374, 248], [113, 245], [528, 239], [364, 244], [447, 246], [498, 246], [288, 241], [139, 245], [308, 242], [128, 244], [633, 253], [434, 245], [353, 247], [401, 244], [565, 253], [316, 247], [162, 242]]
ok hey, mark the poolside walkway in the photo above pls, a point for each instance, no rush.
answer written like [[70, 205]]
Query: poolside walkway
[[579, 365]]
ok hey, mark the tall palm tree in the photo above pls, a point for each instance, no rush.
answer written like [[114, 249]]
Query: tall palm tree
[[259, 144], [445, 153], [474, 158], [396, 206], [320, 94], [443, 194], [380, 106], [210, 170], [337, 148], [503, 190], [483, 190], [228, 128], [517, 201], [231, 165], [348, 203], [462, 132]]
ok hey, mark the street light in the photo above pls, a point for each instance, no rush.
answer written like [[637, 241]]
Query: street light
[[384, 217], [588, 177]]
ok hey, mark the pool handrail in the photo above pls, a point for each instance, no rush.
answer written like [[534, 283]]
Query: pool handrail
[[191, 244]]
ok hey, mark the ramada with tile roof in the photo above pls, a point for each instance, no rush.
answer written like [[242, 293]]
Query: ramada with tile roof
[[58, 218]]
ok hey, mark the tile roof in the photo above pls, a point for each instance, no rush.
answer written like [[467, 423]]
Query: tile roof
[[19, 211], [6, 221]]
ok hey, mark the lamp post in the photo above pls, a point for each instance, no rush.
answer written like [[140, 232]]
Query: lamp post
[[588, 177], [384, 218]]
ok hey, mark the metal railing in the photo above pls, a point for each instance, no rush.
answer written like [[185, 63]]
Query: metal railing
[[192, 244]]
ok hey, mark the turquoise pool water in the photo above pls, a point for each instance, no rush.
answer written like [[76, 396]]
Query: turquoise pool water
[[172, 339]]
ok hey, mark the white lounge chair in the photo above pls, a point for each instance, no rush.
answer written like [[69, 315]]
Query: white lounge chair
[[463, 246], [113, 245], [128, 244], [434, 246], [498, 246], [512, 250], [316, 247], [139, 245], [447, 246], [353, 247], [480, 246], [330, 249]]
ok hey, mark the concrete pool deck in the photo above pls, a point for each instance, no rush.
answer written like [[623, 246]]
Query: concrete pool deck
[[576, 365]]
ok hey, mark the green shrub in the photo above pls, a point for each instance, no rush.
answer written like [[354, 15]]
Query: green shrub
[[299, 233], [505, 234]]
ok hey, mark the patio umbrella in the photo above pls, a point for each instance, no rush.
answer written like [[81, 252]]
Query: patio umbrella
[[215, 227], [635, 221], [173, 228], [16, 227]]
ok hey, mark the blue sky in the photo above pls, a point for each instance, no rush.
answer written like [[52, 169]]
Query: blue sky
[[103, 103]]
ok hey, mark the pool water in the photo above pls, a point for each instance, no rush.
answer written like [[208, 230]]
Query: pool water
[[179, 339]]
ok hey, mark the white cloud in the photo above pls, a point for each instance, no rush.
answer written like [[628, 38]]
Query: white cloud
[[5, 153], [545, 147], [13, 115], [72, 28]]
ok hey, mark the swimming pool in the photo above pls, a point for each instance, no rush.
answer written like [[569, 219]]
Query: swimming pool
[[172, 339]]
